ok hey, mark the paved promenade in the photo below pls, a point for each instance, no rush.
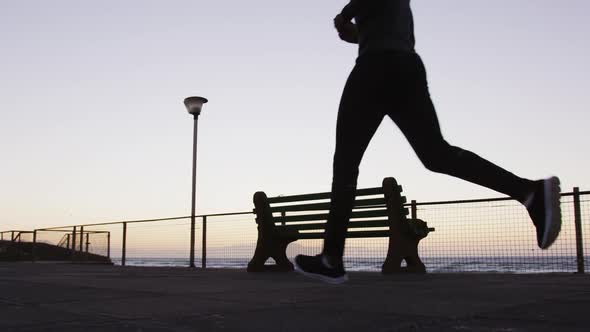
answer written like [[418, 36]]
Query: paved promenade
[[65, 297]]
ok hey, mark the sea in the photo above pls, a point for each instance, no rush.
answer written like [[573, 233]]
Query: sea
[[488, 264]]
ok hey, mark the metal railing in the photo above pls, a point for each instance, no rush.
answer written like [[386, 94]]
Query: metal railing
[[502, 236], [73, 235], [471, 235], [16, 236]]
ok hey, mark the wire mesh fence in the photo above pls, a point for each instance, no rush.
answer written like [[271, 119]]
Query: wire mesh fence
[[471, 236], [16, 236], [230, 241], [585, 219], [25, 237], [157, 243], [494, 237], [6, 236], [60, 238], [482, 236], [64, 244]]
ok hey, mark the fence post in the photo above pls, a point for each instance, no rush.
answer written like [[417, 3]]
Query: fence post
[[81, 238], [414, 209], [74, 243], [33, 249], [579, 238], [204, 242], [123, 254], [192, 252], [12, 236], [87, 241], [109, 245], [68, 240]]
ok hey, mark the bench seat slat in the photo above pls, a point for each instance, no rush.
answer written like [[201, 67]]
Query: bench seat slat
[[324, 216]]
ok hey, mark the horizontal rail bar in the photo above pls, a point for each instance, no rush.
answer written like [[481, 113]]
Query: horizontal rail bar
[[69, 230], [582, 193], [485, 200], [147, 220]]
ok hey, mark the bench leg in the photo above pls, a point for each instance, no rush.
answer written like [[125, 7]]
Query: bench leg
[[280, 257], [270, 248], [403, 244], [402, 247]]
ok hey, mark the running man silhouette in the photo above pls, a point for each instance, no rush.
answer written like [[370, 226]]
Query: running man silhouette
[[389, 78]]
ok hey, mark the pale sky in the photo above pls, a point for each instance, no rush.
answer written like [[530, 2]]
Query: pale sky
[[92, 125]]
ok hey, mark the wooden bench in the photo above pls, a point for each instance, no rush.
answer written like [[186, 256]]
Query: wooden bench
[[378, 212]]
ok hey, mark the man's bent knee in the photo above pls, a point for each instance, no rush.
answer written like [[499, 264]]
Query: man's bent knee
[[442, 159]]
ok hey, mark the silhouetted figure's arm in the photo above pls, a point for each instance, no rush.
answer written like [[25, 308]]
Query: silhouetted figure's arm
[[347, 30], [355, 8]]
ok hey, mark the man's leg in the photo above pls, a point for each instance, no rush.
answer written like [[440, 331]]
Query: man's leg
[[419, 123], [357, 124], [358, 120]]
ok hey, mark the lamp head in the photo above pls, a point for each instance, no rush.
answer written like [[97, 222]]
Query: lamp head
[[194, 104]]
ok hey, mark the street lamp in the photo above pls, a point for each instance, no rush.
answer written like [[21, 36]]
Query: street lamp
[[194, 105]]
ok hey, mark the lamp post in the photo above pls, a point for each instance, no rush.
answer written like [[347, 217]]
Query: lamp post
[[194, 106]]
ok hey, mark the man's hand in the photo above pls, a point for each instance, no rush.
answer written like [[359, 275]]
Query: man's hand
[[347, 30], [339, 21]]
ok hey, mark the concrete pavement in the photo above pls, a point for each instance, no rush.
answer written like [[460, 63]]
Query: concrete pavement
[[67, 297]]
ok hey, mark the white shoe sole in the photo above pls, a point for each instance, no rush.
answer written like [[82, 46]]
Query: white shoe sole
[[328, 280], [552, 212]]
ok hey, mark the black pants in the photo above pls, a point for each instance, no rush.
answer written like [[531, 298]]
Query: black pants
[[395, 84]]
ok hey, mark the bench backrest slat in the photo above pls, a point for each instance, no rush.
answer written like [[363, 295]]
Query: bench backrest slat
[[324, 216], [301, 207], [324, 206], [305, 216], [326, 195], [349, 235], [351, 225]]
